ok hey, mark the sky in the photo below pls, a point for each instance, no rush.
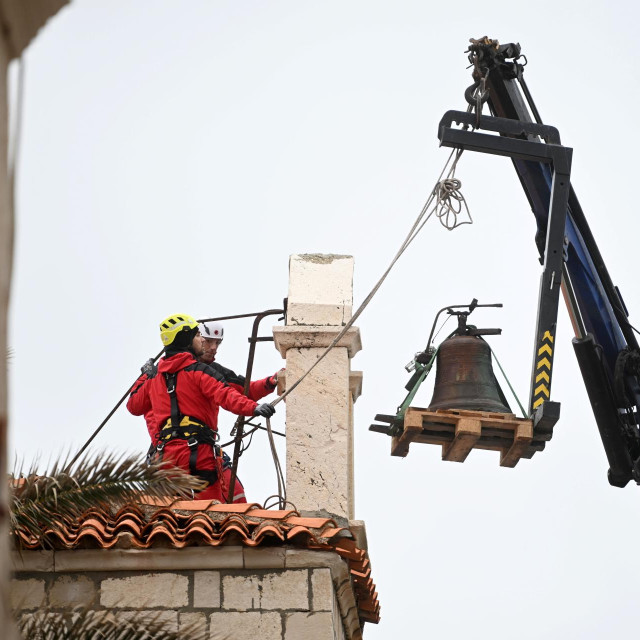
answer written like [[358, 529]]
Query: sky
[[173, 155]]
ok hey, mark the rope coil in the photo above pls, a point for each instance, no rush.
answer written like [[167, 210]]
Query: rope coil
[[450, 203]]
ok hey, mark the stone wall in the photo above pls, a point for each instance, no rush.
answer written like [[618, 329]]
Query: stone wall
[[240, 593]]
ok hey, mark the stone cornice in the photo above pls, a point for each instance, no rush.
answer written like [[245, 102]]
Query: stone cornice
[[309, 337]]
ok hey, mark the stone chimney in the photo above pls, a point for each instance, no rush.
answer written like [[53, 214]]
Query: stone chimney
[[319, 412]]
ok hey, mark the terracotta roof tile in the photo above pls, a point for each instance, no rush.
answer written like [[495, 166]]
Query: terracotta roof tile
[[203, 522]]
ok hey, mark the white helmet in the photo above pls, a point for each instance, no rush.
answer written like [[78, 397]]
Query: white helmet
[[213, 330]]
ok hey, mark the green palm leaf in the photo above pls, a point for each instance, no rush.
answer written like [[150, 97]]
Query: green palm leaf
[[45, 500]]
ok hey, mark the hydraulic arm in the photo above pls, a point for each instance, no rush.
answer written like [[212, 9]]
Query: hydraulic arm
[[604, 343]]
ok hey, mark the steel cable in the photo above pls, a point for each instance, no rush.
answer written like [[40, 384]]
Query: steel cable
[[438, 194], [442, 193]]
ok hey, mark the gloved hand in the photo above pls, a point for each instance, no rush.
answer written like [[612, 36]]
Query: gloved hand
[[264, 410], [149, 367], [273, 380]]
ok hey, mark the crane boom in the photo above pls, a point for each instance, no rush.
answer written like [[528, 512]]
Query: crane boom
[[605, 343]]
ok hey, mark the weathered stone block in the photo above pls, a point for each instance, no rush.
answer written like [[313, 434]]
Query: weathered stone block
[[302, 626], [320, 289], [192, 622], [286, 590], [290, 338], [96, 617], [206, 589], [165, 620], [247, 626], [355, 384], [297, 558], [359, 530], [226, 557], [321, 590], [319, 433], [32, 560], [241, 592], [348, 608], [338, 625], [27, 594], [71, 591], [264, 558], [152, 590]]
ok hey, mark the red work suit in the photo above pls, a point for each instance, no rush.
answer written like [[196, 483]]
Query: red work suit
[[152, 426], [200, 390]]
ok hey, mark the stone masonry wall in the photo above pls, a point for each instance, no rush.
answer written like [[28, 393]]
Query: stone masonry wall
[[285, 605], [270, 604]]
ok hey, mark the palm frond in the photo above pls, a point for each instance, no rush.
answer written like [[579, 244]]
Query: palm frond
[[85, 624], [41, 500]]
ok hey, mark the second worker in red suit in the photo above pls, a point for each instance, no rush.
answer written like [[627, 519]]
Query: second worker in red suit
[[181, 401]]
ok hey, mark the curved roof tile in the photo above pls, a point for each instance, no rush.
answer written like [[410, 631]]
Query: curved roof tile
[[204, 522]]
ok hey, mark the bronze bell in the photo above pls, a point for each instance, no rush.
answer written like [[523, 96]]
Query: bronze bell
[[465, 378]]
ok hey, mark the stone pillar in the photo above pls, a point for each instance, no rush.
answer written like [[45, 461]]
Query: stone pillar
[[319, 412]]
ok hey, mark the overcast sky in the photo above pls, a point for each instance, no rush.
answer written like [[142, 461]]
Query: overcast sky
[[175, 154]]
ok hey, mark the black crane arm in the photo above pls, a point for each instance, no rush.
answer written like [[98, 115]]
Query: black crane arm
[[605, 343]]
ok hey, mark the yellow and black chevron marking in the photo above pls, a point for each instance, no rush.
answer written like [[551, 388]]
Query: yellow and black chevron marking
[[544, 360]]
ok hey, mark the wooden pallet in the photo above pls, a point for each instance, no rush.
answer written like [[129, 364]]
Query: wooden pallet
[[459, 431]]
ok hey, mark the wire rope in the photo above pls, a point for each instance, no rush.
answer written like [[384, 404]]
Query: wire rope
[[439, 195], [441, 202], [282, 486]]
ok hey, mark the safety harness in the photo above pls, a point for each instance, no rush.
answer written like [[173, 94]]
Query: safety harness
[[181, 427]]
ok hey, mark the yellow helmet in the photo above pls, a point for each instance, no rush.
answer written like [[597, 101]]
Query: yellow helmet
[[171, 326]]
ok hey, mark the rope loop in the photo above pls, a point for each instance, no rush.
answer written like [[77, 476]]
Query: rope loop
[[450, 203]]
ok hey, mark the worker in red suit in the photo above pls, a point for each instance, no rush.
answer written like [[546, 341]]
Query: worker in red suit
[[184, 396], [212, 335]]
